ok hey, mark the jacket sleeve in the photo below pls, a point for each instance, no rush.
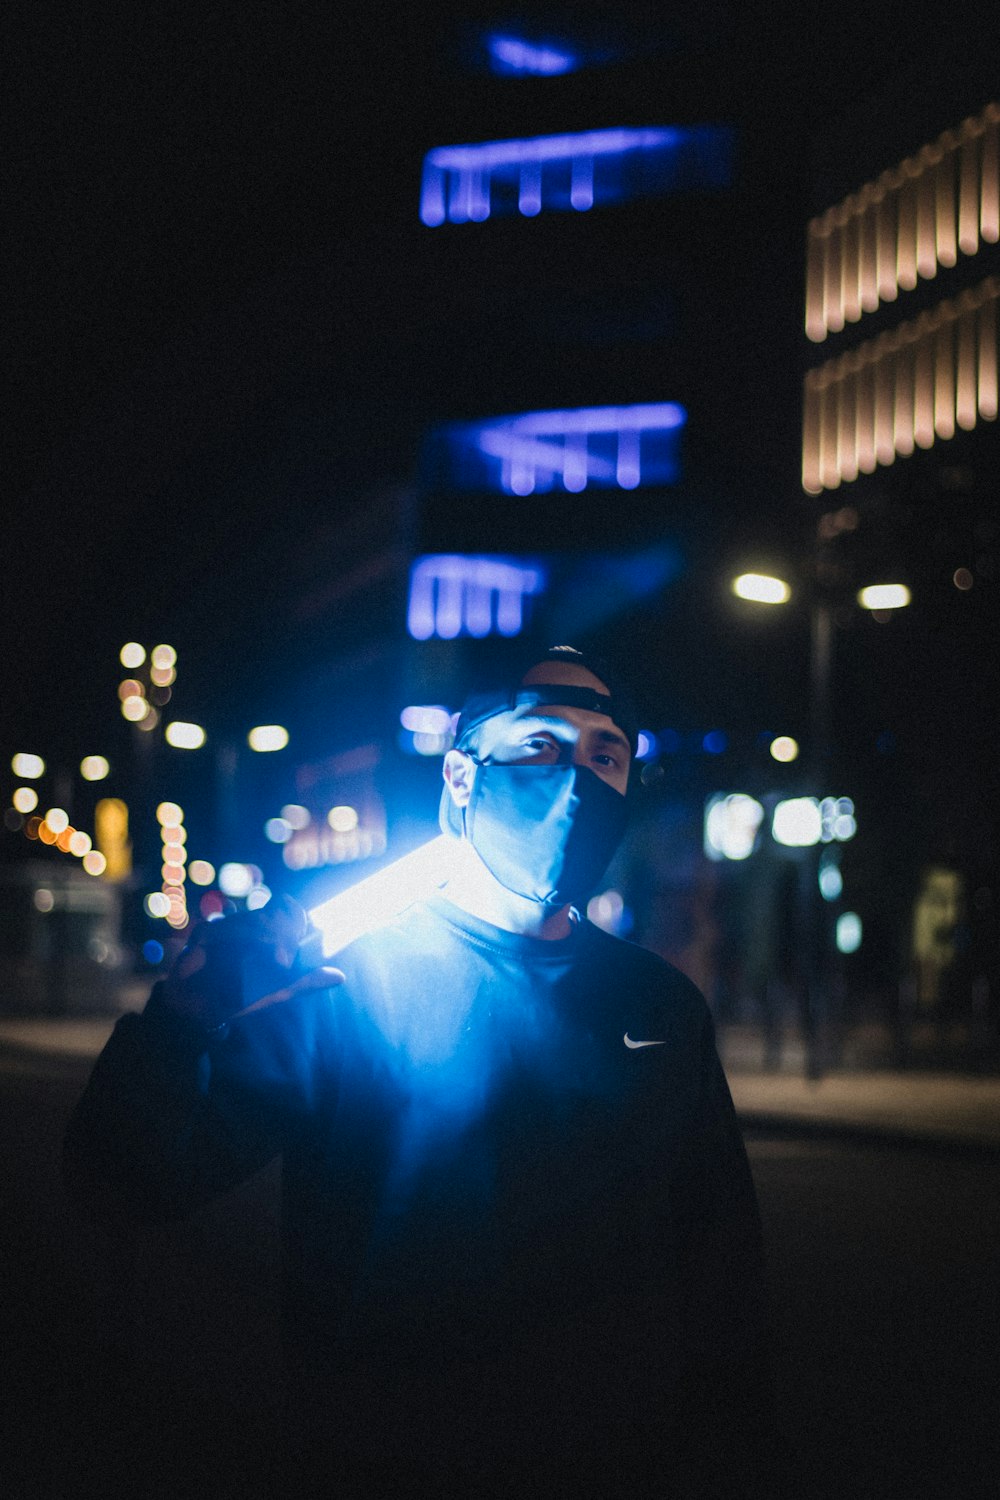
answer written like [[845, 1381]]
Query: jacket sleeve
[[172, 1118], [734, 1441]]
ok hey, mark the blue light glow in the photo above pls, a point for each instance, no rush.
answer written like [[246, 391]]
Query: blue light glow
[[716, 742], [380, 897], [152, 951], [512, 55], [604, 447], [452, 594], [468, 184]]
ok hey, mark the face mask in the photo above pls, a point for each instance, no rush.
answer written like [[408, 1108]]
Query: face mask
[[545, 832]]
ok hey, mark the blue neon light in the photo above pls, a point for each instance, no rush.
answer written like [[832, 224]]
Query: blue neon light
[[512, 55], [453, 594], [604, 447], [467, 184]]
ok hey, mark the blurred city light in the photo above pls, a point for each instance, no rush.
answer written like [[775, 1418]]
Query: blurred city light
[[715, 742], [831, 882], [94, 768], [130, 687], [80, 843], [162, 677], [426, 719], [163, 657], [962, 579], [132, 655], [382, 896], [44, 899], [25, 799], [797, 822], [296, 815], [837, 819], [57, 819], [512, 55], [235, 880], [453, 594], [784, 748], [342, 819], [169, 814], [849, 932], [884, 596], [267, 737], [609, 912], [28, 766], [646, 744], [201, 872], [258, 897], [278, 830], [732, 821], [157, 904], [468, 183], [761, 588], [184, 736], [604, 447], [134, 708], [94, 862], [46, 834], [152, 951]]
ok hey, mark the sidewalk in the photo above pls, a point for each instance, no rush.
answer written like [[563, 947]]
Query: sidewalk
[[941, 1108]]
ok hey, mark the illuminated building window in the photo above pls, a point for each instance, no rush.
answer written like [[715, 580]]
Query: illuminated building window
[[936, 205], [452, 595], [908, 388], [601, 447], [467, 184]]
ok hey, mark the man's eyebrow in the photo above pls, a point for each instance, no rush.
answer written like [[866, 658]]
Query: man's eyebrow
[[613, 737]]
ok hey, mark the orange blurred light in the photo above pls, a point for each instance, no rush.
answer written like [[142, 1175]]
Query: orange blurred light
[[32, 826], [46, 834], [65, 839], [131, 688]]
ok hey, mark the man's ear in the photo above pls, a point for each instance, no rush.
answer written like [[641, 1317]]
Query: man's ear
[[459, 771]]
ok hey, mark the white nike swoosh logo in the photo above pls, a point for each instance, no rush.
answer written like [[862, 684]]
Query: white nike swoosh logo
[[629, 1042]]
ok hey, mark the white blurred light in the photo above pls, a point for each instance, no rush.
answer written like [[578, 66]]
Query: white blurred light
[[844, 827], [295, 815], [431, 744], [606, 911], [784, 748], [80, 844], [94, 768], [201, 872], [278, 830], [132, 655], [28, 766], [797, 822], [25, 799], [134, 708], [646, 744], [342, 819], [258, 897], [761, 588], [169, 814], [884, 596], [157, 904], [430, 718], [94, 863], [235, 880], [163, 657], [44, 899], [184, 736], [849, 932], [731, 823], [831, 882], [268, 737], [57, 819], [162, 677], [382, 896]]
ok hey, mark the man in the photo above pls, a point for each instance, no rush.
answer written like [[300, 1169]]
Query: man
[[520, 1241]]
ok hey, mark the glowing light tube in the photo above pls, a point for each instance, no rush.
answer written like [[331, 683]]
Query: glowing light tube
[[380, 897]]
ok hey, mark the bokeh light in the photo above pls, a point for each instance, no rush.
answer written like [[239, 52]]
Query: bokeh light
[[152, 951], [80, 844], [235, 879], [94, 768], [258, 897], [784, 748], [94, 862], [25, 799], [131, 687], [57, 819], [761, 588], [884, 596], [267, 737], [184, 736], [162, 677], [732, 821], [32, 826], [849, 932], [12, 819], [46, 834], [28, 766], [296, 815], [157, 904], [134, 709], [65, 839], [278, 830], [201, 872], [169, 814], [797, 822], [962, 579], [342, 819], [44, 899], [132, 655], [163, 657]]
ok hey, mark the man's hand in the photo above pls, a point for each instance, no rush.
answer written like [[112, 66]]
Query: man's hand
[[245, 963]]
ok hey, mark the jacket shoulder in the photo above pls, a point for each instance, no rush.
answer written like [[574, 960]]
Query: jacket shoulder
[[655, 998]]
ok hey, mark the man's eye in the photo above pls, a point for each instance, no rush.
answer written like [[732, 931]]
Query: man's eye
[[605, 759]]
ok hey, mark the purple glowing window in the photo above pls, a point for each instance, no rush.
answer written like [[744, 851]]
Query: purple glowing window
[[454, 594], [467, 184], [600, 447]]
